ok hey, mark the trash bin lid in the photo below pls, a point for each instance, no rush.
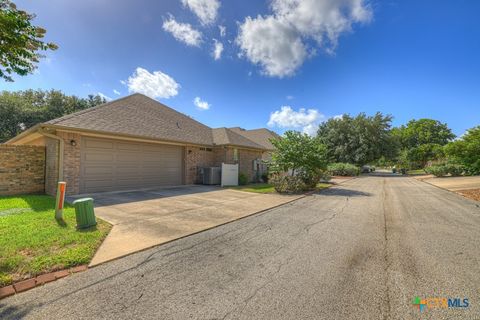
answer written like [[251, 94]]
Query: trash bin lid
[[82, 200]]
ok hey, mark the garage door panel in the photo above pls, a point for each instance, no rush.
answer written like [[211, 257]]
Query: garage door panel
[[96, 156], [98, 144], [109, 165]]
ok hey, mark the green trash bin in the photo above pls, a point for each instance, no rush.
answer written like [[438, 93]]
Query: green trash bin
[[84, 213]]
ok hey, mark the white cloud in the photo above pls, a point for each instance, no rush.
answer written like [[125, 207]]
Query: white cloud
[[104, 96], [217, 49], [183, 32], [116, 92], [272, 44], [223, 31], [306, 120], [200, 104], [265, 40], [154, 85], [290, 97], [205, 10]]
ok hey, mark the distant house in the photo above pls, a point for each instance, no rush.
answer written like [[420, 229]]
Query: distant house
[[262, 137], [137, 142]]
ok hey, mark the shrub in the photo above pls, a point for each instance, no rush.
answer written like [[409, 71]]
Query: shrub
[[265, 177], [343, 169], [441, 170], [242, 179], [288, 184], [438, 170]]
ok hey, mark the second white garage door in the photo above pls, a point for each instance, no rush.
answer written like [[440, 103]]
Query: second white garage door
[[110, 165]]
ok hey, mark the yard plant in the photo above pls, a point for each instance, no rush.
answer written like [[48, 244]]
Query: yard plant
[[32, 242]]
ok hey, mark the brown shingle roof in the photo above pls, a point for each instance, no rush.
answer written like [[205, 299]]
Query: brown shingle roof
[[260, 136], [224, 136], [142, 116]]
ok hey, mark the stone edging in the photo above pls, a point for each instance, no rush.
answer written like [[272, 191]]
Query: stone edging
[[38, 281]]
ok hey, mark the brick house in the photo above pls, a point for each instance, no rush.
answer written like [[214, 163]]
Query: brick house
[[135, 142]]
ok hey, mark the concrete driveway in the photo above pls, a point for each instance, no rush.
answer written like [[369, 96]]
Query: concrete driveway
[[145, 218], [361, 250]]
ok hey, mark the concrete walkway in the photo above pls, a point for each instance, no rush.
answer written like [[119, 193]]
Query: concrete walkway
[[455, 183], [143, 219]]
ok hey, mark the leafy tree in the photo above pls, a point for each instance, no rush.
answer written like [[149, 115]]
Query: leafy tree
[[423, 131], [20, 41], [466, 150], [359, 140], [419, 156], [297, 152], [23, 109]]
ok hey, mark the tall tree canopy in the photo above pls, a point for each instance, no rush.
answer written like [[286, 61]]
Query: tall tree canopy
[[423, 131], [360, 140], [22, 109], [466, 150], [20, 41]]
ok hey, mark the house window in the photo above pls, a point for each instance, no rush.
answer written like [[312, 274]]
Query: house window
[[209, 149], [235, 154]]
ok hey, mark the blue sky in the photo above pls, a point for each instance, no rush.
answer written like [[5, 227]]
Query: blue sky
[[315, 58]]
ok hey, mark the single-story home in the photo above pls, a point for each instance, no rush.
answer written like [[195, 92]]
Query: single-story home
[[137, 142]]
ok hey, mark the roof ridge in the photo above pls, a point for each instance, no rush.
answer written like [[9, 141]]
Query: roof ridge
[[71, 115], [228, 132]]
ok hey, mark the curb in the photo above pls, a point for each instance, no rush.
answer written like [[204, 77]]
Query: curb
[[38, 281], [473, 201]]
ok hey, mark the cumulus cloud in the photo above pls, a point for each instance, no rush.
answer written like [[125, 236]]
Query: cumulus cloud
[[116, 92], [217, 49], [104, 96], [205, 10], [155, 85], [183, 32], [302, 24], [222, 30], [272, 44], [306, 120], [201, 104]]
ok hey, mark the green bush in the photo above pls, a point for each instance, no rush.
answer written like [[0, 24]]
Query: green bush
[[441, 170], [288, 184], [343, 169], [265, 177], [242, 179]]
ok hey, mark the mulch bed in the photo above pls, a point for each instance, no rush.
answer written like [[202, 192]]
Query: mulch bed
[[471, 194]]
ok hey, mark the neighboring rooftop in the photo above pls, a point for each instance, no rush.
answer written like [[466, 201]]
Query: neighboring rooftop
[[260, 136], [224, 136]]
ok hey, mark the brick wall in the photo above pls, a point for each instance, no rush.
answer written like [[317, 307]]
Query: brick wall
[[245, 161], [22, 169], [71, 161], [51, 166], [195, 158]]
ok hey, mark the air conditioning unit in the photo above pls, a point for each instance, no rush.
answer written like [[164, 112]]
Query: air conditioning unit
[[212, 175]]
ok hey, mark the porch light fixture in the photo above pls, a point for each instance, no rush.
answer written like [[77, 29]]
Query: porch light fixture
[[73, 143]]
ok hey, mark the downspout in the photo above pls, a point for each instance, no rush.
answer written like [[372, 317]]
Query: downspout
[[61, 148]]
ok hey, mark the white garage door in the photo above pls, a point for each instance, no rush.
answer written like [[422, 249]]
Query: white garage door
[[110, 165]]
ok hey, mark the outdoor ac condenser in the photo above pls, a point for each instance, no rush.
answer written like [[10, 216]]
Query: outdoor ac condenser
[[212, 175]]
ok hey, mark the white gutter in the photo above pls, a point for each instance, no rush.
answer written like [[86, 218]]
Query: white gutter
[[61, 148]]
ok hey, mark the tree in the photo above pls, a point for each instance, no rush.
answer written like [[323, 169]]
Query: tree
[[359, 140], [296, 152], [466, 150], [20, 41], [423, 131], [23, 109]]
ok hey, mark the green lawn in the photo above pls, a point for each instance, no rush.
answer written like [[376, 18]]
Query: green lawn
[[32, 242], [417, 172], [268, 188], [257, 188]]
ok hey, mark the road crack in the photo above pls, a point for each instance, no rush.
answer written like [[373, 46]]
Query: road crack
[[386, 256]]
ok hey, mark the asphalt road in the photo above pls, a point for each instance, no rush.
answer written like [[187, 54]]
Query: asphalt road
[[362, 250]]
